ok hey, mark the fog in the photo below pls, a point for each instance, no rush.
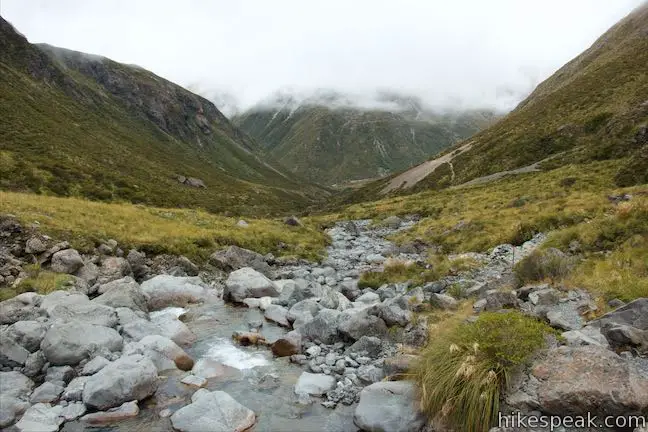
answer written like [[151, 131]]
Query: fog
[[450, 55]]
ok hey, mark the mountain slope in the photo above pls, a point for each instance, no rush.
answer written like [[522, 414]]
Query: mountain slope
[[330, 144], [593, 108], [74, 124]]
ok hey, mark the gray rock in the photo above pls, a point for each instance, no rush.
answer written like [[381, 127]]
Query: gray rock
[[366, 344], [90, 313], [353, 325], [12, 354], [46, 393], [59, 374], [15, 384], [34, 364], [74, 390], [369, 298], [288, 345], [575, 381], [302, 312], [247, 282], [113, 268], [69, 343], [633, 314], [314, 384], [495, 300], [277, 314], [164, 353], [123, 293], [588, 335], [350, 289], [443, 301], [95, 365], [165, 290], [11, 409], [171, 327], [41, 418], [28, 334], [393, 311], [213, 411], [66, 261], [544, 297], [393, 222], [137, 261], [129, 378], [323, 327], [369, 374], [89, 273], [35, 245], [20, 308], [292, 221], [388, 407], [195, 381], [626, 336], [57, 298], [73, 411], [235, 258]]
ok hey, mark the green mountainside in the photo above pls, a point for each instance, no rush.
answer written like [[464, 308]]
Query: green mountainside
[[333, 145], [73, 124], [594, 108]]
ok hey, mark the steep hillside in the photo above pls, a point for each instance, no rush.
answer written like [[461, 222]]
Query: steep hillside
[[593, 108], [333, 144], [74, 124]]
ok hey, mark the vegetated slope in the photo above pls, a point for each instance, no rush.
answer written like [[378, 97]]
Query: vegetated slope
[[333, 145], [593, 108], [74, 124]]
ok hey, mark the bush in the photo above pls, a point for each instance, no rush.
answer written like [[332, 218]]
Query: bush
[[541, 265], [466, 367]]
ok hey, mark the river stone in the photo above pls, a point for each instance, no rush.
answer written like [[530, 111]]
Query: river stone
[[129, 378], [277, 314], [370, 374], [124, 293], [57, 298], [95, 365], [35, 245], [23, 307], [353, 325], [393, 311], [589, 379], [368, 298], [74, 390], [171, 327], [73, 411], [46, 393], [303, 311], [195, 381], [165, 353], [34, 364], [314, 384], [69, 343], [113, 268], [443, 301], [59, 374], [41, 418], [15, 384], [12, 354], [66, 261], [234, 258], [213, 411], [165, 291], [90, 313], [124, 411], [323, 327], [388, 407], [89, 273], [247, 282], [29, 334], [117, 283], [287, 345], [208, 368], [11, 408]]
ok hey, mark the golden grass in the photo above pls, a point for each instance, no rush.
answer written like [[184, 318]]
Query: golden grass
[[40, 281], [194, 233]]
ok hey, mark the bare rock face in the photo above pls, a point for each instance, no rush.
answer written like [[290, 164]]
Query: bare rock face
[[589, 379]]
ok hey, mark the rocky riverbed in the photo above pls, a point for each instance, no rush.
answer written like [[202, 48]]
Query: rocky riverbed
[[139, 343]]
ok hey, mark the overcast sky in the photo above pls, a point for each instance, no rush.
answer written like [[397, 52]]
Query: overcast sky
[[466, 53]]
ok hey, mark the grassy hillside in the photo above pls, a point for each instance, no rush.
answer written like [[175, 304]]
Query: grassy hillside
[[594, 108], [336, 145], [73, 124]]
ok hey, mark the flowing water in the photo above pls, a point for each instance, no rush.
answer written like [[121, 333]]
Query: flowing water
[[249, 374]]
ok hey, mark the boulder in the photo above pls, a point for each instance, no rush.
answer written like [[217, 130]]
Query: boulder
[[247, 282], [443, 301], [214, 411], [292, 221], [28, 334], [89, 273], [35, 245], [164, 353], [369, 374], [11, 409], [171, 327], [588, 335], [368, 298], [323, 327], [389, 407], [399, 365], [234, 258], [393, 222], [314, 384], [277, 314], [74, 390], [589, 379], [123, 292], [69, 343], [41, 418], [59, 374], [15, 384], [194, 381], [353, 325], [47, 392], [12, 354], [393, 311], [20, 308], [287, 345], [95, 365], [164, 291], [137, 261], [124, 411], [57, 298], [129, 378], [302, 312], [369, 345], [113, 268], [34, 364], [66, 261], [90, 313], [73, 411], [350, 290], [207, 368], [495, 300], [633, 314]]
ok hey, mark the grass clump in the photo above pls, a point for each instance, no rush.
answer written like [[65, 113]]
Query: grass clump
[[194, 233], [37, 280], [466, 366], [550, 264]]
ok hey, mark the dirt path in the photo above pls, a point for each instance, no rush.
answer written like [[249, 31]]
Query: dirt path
[[411, 177]]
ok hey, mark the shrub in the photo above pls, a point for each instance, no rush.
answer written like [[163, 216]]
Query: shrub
[[541, 265], [465, 368]]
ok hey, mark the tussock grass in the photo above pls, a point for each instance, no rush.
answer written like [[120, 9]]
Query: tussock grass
[[466, 366], [549, 264], [194, 233], [38, 280]]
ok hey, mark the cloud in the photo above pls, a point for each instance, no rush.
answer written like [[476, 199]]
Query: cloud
[[461, 54]]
